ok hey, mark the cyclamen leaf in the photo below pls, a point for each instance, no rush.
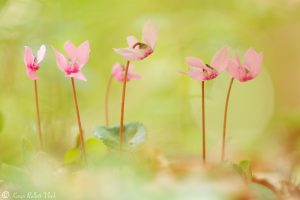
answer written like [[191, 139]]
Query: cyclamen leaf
[[134, 135]]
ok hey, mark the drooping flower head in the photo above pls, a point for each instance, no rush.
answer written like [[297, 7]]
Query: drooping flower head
[[247, 70], [75, 61], [118, 71], [200, 71], [139, 50], [32, 62]]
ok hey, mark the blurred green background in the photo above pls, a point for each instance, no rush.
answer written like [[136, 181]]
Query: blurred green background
[[264, 114]]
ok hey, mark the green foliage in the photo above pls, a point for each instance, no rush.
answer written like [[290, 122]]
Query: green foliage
[[134, 135], [95, 151]]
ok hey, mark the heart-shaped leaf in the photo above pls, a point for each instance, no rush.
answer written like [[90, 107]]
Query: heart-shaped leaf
[[135, 134]]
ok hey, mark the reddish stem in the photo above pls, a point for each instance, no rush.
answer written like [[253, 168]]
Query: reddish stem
[[38, 121], [225, 120], [81, 136], [123, 105], [106, 100], [203, 125]]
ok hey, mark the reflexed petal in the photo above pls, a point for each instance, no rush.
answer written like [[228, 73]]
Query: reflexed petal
[[150, 34], [83, 53], [130, 54], [220, 60], [41, 53], [71, 50], [195, 62], [28, 56], [253, 61], [117, 68], [237, 71], [131, 41], [60, 60]]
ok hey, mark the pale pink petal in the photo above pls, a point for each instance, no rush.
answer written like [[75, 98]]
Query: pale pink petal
[[253, 61], [130, 54], [41, 53], [131, 41], [61, 61], [71, 50], [195, 62], [134, 76], [220, 60], [78, 76], [196, 74], [150, 34], [237, 71], [117, 68], [31, 74], [83, 53], [28, 56]]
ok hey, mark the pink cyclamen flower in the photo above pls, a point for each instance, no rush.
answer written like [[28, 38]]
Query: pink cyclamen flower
[[33, 62], [200, 71], [139, 50], [249, 69], [118, 71], [76, 59]]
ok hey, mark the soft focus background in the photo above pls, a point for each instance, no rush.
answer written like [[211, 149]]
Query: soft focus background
[[264, 114]]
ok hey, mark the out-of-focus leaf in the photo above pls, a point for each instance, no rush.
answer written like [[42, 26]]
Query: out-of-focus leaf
[[95, 149], [72, 156], [135, 134]]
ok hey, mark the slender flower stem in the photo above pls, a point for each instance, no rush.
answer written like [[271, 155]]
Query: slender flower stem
[[203, 125], [123, 105], [81, 136], [225, 120], [38, 121], [106, 100]]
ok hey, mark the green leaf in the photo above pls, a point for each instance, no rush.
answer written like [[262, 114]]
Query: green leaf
[[95, 149], [135, 134], [72, 156]]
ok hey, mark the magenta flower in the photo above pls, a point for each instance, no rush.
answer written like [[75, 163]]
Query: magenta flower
[[249, 69], [118, 71], [76, 59], [33, 62], [203, 72], [140, 50]]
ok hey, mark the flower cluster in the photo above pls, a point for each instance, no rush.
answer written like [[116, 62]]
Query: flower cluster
[[243, 72]]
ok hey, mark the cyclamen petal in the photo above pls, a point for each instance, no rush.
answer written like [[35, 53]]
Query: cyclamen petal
[[83, 53], [150, 34], [130, 54], [61, 61], [28, 56], [41, 53], [249, 69], [71, 50], [118, 71], [131, 41], [253, 61], [32, 75], [195, 62], [220, 60]]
